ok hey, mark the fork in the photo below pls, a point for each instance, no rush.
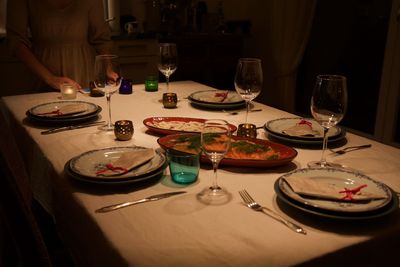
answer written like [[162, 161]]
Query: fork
[[349, 148], [257, 207]]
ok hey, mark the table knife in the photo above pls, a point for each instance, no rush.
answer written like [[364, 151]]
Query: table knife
[[71, 127], [143, 200]]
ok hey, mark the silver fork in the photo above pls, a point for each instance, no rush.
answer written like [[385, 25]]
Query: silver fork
[[349, 148], [257, 207]]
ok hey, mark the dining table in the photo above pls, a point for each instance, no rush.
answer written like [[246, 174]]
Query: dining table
[[181, 230]]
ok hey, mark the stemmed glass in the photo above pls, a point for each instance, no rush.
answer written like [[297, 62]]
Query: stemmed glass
[[107, 78], [168, 61], [248, 80], [215, 143], [328, 106]]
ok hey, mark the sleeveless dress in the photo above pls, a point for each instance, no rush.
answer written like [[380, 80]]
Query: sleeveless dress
[[65, 40]]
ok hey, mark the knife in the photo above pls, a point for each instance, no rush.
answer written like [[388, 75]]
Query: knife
[[143, 200], [71, 127]]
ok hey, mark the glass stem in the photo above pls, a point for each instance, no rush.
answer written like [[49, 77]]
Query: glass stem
[[108, 97], [215, 184], [247, 110], [167, 81], [324, 146]]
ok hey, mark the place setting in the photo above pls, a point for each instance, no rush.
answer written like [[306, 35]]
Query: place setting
[[336, 193], [120, 165], [63, 112]]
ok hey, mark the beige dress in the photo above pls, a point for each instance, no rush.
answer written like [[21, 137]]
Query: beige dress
[[65, 40]]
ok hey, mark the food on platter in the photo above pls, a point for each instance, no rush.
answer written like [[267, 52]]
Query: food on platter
[[240, 148], [185, 126]]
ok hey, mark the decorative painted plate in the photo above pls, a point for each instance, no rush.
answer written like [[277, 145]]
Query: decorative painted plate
[[265, 153], [216, 99], [346, 216], [147, 178], [89, 163], [276, 129], [174, 125], [52, 112], [339, 178]]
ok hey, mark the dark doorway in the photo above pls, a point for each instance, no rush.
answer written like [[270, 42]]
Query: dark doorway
[[348, 37]]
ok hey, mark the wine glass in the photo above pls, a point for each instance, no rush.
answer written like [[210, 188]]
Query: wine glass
[[215, 143], [107, 78], [328, 106], [248, 80], [168, 61]]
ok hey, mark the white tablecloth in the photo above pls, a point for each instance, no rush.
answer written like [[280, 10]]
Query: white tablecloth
[[181, 231]]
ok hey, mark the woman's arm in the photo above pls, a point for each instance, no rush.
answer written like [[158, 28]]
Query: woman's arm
[[29, 59]]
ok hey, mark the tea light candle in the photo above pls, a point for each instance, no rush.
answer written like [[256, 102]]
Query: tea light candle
[[247, 130], [151, 84], [170, 100], [68, 91]]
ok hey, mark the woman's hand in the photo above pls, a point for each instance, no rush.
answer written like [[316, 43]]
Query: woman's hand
[[56, 82]]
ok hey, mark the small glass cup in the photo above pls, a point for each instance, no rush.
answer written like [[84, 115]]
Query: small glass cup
[[151, 84], [184, 168], [123, 130], [170, 100], [126, 87], [247, 130], [68, 91]]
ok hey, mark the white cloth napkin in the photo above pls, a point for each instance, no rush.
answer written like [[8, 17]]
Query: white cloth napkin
[[301, 130], [64, 110], [324, 190], [126, 162]]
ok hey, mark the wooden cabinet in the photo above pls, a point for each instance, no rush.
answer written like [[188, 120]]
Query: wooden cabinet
[[138, 58]]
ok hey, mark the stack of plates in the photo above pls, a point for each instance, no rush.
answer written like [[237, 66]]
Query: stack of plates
[[207, 99], [84, 167], [346, 210], [40, 112], [275, 129]]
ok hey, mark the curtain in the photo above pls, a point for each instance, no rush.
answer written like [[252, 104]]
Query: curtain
[[285, 28]]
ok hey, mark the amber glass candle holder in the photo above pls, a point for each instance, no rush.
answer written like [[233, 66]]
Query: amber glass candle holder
[[247, 130], [170, 100], [123, 130]]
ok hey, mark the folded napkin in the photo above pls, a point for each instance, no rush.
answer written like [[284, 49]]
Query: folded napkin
[[126, 162], [303, 128], [323, 190], [64, 110]]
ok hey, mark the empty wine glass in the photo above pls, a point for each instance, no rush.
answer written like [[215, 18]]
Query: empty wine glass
[[248, 80], [168, 61], [107, 78], [215, 143], [328, 106]]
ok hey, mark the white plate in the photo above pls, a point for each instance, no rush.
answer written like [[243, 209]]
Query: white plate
[[147, 178], [90, 108], [88, 163], [279, 125], [207, 99], [343, 179]]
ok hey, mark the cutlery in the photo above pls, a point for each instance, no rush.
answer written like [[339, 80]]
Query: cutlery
[[143, 200], [236, 112], [71, 127], [348, 149], [257, 207]]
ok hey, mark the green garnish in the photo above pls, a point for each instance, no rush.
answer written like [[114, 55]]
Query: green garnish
[[249, 148]]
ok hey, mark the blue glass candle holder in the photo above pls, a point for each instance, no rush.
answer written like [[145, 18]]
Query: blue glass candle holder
[[125, 87]]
